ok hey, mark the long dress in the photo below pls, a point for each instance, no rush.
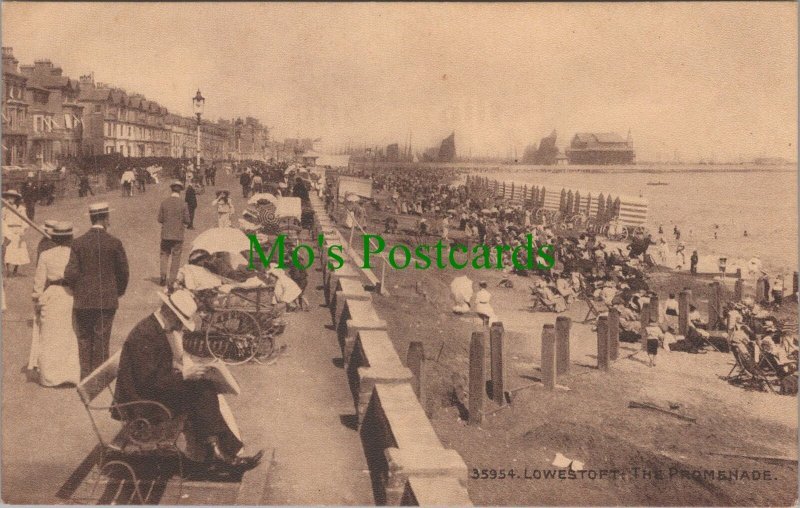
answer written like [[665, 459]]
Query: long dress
[[58, 345], [224, 213], [13, 229], [483, 307]]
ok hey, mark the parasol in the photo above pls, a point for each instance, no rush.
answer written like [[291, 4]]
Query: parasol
[[262, 196], [221, 240], [461, 290]]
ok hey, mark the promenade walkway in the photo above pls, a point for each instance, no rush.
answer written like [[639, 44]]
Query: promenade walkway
[[300, 405]]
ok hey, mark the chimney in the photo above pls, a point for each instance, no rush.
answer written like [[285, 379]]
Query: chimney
[[9, 62], [87, 80]]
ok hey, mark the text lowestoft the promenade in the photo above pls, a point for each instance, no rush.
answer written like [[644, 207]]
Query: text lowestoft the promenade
[[400, 256]]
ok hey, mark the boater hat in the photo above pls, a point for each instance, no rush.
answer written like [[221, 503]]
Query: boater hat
[[176, 183], [182, 303], [99, 208], [49, 223], [11, 193], [61, 229]]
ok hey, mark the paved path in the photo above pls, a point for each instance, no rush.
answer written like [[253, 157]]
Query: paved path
[[299, 405]]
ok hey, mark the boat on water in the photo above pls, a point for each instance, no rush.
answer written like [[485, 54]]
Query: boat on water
[[657, 183]]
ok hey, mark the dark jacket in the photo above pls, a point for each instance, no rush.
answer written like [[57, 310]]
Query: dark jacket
[[97, 270], [191, 198], [173, 214], [145, 368]]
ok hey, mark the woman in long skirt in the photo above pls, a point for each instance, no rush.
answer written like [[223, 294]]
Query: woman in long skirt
[[16, 252], [58, 346], [224, 208]]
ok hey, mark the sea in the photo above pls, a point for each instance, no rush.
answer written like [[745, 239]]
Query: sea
[[729, 202]]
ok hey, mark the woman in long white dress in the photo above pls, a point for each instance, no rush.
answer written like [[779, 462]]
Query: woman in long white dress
[[16, 252], [58, 345], [224, 208]]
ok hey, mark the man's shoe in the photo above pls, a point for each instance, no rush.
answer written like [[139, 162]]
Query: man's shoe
[[246, 463]]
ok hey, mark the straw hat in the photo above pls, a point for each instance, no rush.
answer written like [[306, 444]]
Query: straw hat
[[99, 208], [182, 303], [176, 183], [61, 229], [11, 193]]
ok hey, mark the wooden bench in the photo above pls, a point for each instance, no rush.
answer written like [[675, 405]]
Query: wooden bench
[[346, 288], [373, 361], [139, 436], [357, 315]]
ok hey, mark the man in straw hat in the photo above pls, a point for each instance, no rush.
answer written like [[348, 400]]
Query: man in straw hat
[[173, 215], [97, 273], [153, 367], [45, 243]]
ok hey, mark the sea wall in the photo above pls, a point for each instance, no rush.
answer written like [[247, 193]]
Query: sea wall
[[407, 461]]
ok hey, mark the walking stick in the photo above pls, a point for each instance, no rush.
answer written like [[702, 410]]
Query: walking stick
[[12, 209]]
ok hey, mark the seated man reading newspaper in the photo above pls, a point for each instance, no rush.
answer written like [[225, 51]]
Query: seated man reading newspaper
[[153, 367]]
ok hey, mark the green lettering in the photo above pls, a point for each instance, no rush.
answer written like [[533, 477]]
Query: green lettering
[[367, 244]]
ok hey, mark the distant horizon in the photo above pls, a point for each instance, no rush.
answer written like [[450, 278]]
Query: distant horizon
[[690, 81]]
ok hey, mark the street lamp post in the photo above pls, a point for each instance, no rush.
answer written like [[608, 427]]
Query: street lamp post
[[198, 102]]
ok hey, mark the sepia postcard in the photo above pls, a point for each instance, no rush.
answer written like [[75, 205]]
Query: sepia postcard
[[433, 254]]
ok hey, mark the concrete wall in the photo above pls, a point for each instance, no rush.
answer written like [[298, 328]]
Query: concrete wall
[[407, 461]]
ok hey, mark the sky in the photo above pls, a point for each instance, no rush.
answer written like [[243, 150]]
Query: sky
[[689, 80]]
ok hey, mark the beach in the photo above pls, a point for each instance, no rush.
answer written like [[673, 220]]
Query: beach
[[761, 202]]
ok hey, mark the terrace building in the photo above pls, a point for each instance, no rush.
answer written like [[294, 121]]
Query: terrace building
[[116, 122], [15, 112], [56, 113]]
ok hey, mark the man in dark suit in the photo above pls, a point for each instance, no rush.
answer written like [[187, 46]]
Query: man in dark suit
[[97, 273], [191, 202], [173, 215], [152, 367]]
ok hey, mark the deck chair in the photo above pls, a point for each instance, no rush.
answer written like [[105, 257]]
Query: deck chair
[[540, 302], [595, 308], [752, 372], [737, 364]]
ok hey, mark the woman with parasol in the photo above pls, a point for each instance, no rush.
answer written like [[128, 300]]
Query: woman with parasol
[[225, 209]]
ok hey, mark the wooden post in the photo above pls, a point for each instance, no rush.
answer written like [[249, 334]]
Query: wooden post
[[713, 304], [549, 357], [738, 290], [683, 311], [719, 297], [496, 359], [602, 343], [761, 289], [739, 273], [644, 320], [613, 333], [655, 309], [563, 324], [415, 361], [476, 378], [512, 190], [794, 285]]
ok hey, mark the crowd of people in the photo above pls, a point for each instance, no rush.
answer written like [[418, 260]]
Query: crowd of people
[[80, 280], [588, 267]]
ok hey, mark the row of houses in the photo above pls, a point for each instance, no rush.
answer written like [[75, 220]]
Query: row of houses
[[47, 117]]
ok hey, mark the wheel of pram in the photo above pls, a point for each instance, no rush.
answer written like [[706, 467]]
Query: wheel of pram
[[233, 336], [266, 347]]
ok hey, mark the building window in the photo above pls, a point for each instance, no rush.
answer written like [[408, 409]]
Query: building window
[[98, 108]]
